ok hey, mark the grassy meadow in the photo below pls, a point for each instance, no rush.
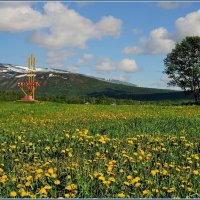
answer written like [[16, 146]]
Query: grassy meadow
[[82, 151]]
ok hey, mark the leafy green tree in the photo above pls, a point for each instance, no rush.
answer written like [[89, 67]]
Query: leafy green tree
[[182, 66]]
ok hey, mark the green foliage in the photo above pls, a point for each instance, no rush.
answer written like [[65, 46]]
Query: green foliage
[[182, 66]]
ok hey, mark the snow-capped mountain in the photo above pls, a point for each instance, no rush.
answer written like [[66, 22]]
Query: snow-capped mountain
[[24, 70], [64, 83]]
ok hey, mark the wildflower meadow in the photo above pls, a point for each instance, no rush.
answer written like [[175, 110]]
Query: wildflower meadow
[[52, 150]]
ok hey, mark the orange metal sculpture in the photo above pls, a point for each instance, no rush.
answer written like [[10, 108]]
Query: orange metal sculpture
[[31, 85]]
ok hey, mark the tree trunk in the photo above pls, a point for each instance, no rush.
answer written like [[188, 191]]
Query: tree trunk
[[197, 96]]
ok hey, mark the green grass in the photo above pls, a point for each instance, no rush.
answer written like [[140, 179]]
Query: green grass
[[99, 150]]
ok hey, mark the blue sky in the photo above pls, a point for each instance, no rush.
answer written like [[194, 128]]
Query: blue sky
[[113, 40]]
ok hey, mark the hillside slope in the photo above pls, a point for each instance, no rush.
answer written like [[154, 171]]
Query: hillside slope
[[55, 82]]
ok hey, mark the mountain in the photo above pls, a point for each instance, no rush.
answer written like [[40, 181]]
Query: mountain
[[61, 82]]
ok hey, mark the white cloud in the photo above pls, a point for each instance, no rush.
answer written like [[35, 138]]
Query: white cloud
[[20, 17], [108, 26], [132, 50], [58, 58], [84, 3], [69, 28], [167, 5], [85, 59], [136, 31], [158, 42], [161, 41], [128, 65], [56, 27], [73, 69], [106, 65], [88, 56], [188, 25], [121, 77]]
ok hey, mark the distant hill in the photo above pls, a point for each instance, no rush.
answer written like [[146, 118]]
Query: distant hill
[[60, 82]]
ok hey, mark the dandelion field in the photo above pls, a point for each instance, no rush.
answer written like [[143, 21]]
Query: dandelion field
[[52, 150]]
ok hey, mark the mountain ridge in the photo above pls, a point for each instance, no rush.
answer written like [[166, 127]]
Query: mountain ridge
[[61, 82]]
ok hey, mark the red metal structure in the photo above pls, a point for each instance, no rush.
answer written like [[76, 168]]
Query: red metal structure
[[30, 85]]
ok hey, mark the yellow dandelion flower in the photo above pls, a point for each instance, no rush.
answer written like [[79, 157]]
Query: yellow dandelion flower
[[39, 171], [121, 195], [50, 170], [112, 179], [27, 184], [57, 182], [13, 194], [23, 194], [189, 189], [98, 154], [129, 177], [101, 178], [164, 149], [195, 172], [68, 177], [164, 172], [29, 178], [67, 195], [54, 175], [42, 191], [47, 174], [1, 170], [121, 170], [137, 185], [154, 172], [170, 190], [70, 154], [126, 183], [140, 157], [14, 179], [155, 190], [47, 187], [145, 192], [106, 182], [135, 180], [71, 187]]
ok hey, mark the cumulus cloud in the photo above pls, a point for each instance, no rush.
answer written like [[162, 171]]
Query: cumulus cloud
[[56, 27], [159, 41], [58, 58], [132, 50], [128, 65], [136, 31], [88, 56], [20, 17], [69, 28], [85, 59], [73, 69], [121, 77], [106, 65], [167, 5], [188, 25], [108, 26]]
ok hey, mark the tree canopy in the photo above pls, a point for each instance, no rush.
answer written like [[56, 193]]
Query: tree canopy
[[182, 66]]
